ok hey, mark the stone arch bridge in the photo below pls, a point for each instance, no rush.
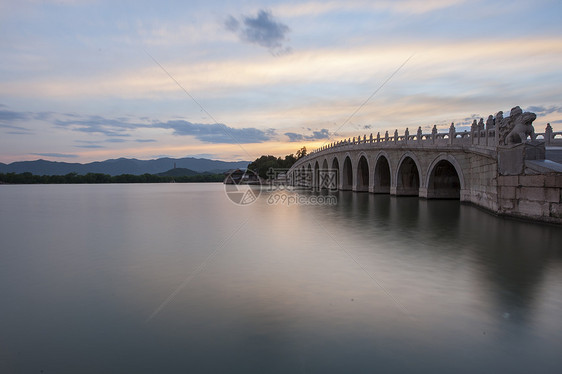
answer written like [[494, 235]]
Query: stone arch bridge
[[487, 166]]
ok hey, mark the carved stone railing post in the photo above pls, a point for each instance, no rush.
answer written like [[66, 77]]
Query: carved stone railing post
[[371, 138], [490, 124], [452, 133], [473, 130], [395, 136], [419, 135], [406, 135], [498, 123], [378, 137], [386, 136], [433, 133], [480, 128], [547, 134]]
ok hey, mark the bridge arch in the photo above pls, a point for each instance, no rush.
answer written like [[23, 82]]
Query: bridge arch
[[336, 170], [362, 173], [324, 170], [382, 175], [316, 176], [309, 172], [347, 174], [445, 179], [295, 176], [408, 176]]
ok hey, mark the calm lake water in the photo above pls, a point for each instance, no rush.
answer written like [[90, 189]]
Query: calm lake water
[[176, 278]]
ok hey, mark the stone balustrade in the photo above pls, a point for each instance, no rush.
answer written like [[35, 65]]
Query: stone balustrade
[[475, 137]]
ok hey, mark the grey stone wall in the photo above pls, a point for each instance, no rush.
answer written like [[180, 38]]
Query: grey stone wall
[[536, 196]]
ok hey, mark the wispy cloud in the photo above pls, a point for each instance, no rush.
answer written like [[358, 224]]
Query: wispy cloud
[[218, 132], [99, 125], [8, 115], [263, 30], [59, 155], [446, 65], [89, 146], [543, 111], [15, 130], [317, 8], [316, 135], [11, 116], [118, 129]]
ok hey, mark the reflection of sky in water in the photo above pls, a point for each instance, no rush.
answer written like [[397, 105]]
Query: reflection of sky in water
[[373, 283]]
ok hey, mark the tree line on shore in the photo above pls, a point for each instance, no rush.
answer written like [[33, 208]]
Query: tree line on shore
[[92, 178], [261, 165], [264, 164]]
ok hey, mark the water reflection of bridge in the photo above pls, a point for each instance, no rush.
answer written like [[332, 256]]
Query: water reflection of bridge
[[474, 166]]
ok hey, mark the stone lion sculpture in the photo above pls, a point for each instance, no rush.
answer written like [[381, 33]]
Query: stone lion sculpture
[[517, 127]]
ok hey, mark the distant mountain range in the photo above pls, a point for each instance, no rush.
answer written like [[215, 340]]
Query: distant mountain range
[[122, 166]]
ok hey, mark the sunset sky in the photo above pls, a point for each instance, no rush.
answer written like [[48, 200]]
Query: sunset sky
[[87, 80]]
